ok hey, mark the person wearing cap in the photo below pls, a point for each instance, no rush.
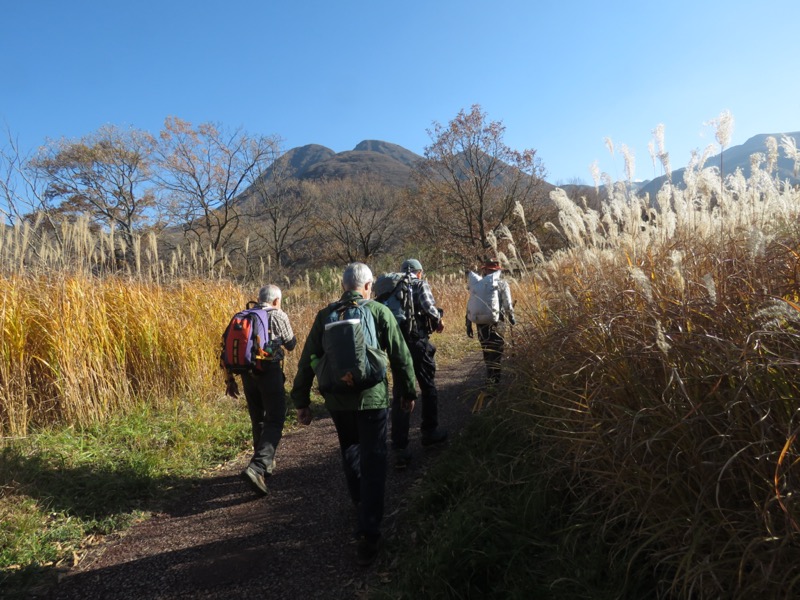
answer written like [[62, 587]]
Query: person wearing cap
[[501, 308], [265, 393], [427, 319]]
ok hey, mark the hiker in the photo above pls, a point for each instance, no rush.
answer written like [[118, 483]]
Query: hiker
[[360, 416], [490, 307], [426, 319], [264, 391]]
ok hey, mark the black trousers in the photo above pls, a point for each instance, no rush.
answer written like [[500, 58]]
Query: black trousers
[[362, 443], [422, 353], [492, 344], [266, 402]]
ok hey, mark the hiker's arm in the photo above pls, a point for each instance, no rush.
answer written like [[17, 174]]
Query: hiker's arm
[[284, 330], [231, 387], [427, 303], [407, 405], [469, 327], [399, 357]]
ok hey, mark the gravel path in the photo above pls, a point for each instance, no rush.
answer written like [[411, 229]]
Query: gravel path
[[223, 541]]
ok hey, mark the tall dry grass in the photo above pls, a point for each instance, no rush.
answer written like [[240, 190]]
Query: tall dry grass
[[86, 335], [75, 349], [91, 327], [661, 365]]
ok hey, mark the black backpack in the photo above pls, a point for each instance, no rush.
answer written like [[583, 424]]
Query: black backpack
[[394, 290]]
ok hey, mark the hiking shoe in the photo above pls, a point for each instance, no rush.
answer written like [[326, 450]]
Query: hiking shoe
[[437, 436], [367, 551], [402, 458], [256, 480]]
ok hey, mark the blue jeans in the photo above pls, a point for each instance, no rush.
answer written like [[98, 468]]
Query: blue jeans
[[362, 441], [266, 402]]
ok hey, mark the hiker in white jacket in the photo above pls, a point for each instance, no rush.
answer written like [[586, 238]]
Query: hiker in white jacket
[[489, 307]]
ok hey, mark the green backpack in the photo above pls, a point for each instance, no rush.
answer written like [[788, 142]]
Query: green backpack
[[351, 361]]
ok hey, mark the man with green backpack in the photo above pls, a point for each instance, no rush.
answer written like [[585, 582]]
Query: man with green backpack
[[347, 350]]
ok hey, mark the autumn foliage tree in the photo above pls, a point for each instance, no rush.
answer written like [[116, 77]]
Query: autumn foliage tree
[[472, 185], [104, 176]]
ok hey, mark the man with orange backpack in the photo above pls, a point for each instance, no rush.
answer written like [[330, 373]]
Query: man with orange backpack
[[253, 347]]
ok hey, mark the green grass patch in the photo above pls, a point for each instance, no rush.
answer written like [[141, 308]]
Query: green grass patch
[[66, 485]]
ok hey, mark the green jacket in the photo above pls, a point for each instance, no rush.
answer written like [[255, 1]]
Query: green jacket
[[391, 341]]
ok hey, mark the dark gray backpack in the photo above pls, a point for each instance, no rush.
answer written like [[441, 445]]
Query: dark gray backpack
[[394, 291], [351, 361]]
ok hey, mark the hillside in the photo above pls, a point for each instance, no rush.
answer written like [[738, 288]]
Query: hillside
[[389, 162], [394, 164], [735, 157]]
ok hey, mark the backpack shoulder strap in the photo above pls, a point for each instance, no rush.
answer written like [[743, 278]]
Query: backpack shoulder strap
[[369, 322], [337, 308], [268, 325]]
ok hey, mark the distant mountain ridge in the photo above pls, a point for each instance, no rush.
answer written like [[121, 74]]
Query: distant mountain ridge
[[389, 162], [735, 157], [394, 165]]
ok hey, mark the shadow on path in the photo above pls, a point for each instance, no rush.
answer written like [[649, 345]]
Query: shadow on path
[[223, 541]]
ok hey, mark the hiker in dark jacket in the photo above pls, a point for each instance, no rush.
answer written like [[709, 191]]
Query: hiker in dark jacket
[[265, 393], [427, 319], [360, 418]]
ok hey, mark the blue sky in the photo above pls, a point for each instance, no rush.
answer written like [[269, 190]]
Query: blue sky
[[561, 75]]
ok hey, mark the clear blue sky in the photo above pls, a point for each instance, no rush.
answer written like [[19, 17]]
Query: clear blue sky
[[561, 75]]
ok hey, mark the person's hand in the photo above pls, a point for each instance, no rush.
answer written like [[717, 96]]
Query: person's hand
[[512, 320], [407, 405], [231, 388], [304, 415], [440, 327]]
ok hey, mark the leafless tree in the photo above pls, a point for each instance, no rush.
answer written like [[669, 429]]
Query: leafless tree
[[21, 191], [280, 214], [471, 183], [203, 170], [104, 176], [360, 218]]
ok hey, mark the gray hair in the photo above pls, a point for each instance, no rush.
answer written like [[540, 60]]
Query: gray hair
[[268, 294], [356, 275]]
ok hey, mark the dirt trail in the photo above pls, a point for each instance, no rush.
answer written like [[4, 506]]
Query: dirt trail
[[222, 541]]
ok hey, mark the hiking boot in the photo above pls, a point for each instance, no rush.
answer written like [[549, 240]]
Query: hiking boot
[[437, 436], [256, 480], [402, 458], [367, 551]]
